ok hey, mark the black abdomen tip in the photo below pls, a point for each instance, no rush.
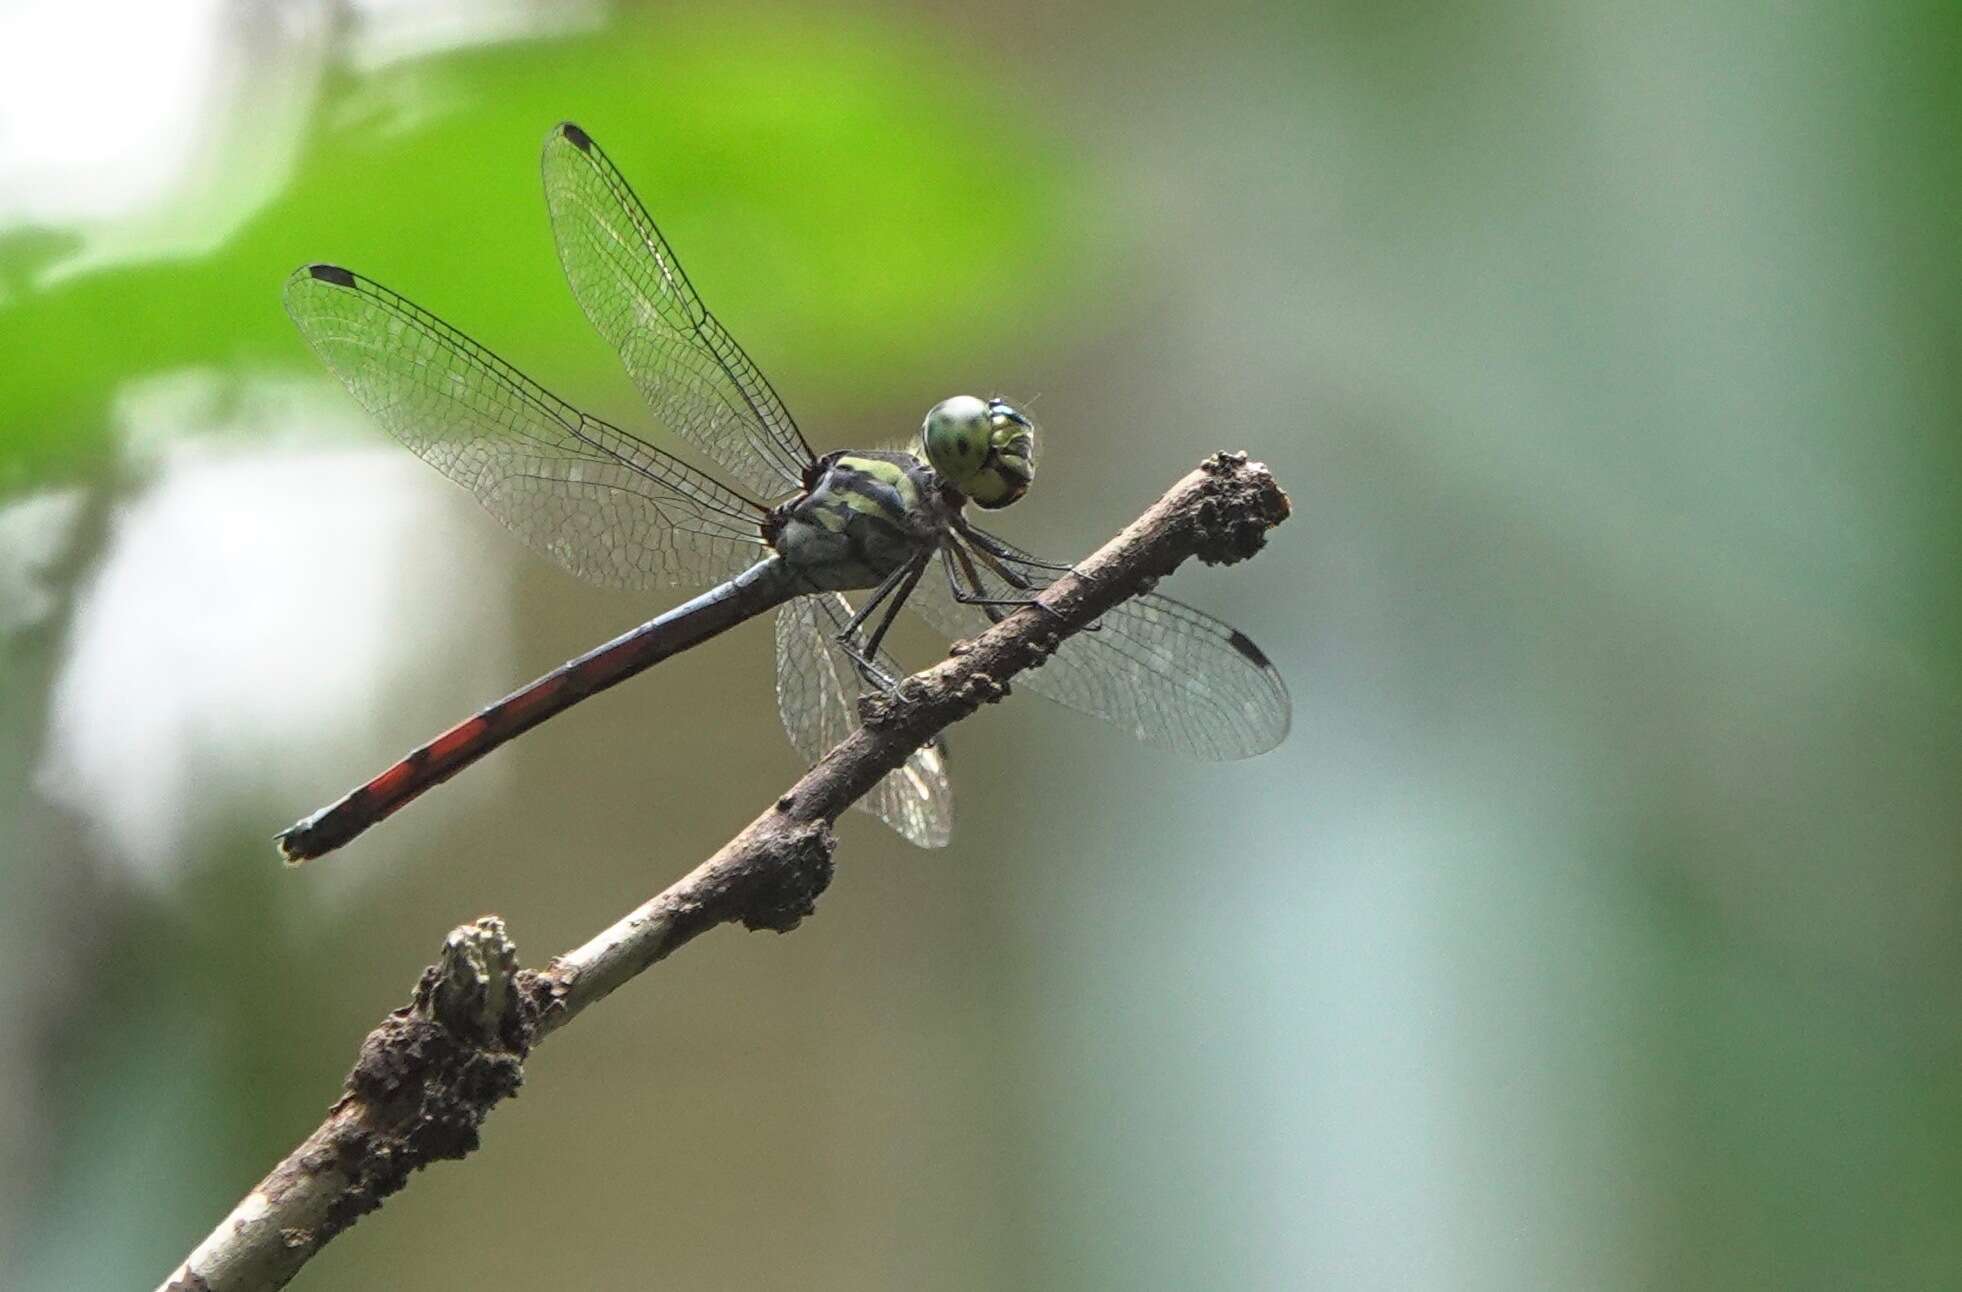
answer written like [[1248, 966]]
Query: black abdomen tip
[[576, 137], [332, 274], [293, 848]]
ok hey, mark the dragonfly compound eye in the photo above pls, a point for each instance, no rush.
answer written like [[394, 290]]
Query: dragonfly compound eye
[[984, 448], [955, 435], [1010, 464]]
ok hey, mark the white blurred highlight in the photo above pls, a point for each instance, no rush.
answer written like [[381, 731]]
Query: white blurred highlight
[[211, 102], [74, 152], [34, 531], [390, 31], [224, 91]]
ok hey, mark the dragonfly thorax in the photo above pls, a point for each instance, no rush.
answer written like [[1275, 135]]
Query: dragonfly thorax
[[985, 448], [860, 517]]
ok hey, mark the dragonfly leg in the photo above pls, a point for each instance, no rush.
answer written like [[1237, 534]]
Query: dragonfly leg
[[998, 608], [869, 671], [917, 568], [898, 586], [992, 607], [993, 546], [880, 593]]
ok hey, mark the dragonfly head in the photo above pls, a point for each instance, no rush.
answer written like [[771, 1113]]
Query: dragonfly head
[[983, 447]]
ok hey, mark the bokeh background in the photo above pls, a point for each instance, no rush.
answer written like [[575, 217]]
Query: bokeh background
[[1597, 927]]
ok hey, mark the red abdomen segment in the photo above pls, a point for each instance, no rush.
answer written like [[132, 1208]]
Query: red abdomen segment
[[761, 587]]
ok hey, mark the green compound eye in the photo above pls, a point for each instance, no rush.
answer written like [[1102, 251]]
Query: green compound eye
[[984, 448], [956, 437]]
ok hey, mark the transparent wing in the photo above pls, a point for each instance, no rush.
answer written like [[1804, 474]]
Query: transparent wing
[[1171, 676], [817, 693], [603, 504], [698, 381]]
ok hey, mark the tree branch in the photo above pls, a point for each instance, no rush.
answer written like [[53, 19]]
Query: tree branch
[[428, 1076]]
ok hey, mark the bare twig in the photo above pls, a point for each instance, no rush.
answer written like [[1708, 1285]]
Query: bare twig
[[429, 1075]]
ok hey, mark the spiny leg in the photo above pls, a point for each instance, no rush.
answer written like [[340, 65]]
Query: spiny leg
[[898, 586], [917, 568], [986, 542], [998, 608], [879, 594]]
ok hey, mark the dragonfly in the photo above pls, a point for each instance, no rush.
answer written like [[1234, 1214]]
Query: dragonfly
[[780, 529]]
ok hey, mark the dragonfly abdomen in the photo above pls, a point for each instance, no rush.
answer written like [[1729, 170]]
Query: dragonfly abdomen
[[764, 586]]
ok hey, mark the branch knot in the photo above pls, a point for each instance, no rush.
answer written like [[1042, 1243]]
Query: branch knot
[[791, 890], [429, 1075], [1233, 525]]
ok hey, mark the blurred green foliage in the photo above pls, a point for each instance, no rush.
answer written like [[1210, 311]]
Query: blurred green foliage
[[842, 211]]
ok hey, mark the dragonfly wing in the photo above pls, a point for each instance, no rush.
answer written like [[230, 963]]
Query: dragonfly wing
[[605, 505], [1172, 676], [698, 381], [817, 693]]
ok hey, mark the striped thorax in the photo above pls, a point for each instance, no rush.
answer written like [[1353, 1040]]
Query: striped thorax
[[861, 517]]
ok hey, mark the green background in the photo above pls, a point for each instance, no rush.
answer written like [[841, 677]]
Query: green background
[[1597, 926]]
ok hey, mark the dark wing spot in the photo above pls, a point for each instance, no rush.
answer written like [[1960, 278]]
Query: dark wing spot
[[332, 274], [576, 137], [1241, 642]]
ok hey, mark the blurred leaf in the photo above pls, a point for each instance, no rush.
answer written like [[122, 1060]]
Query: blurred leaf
[[848, 210]]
